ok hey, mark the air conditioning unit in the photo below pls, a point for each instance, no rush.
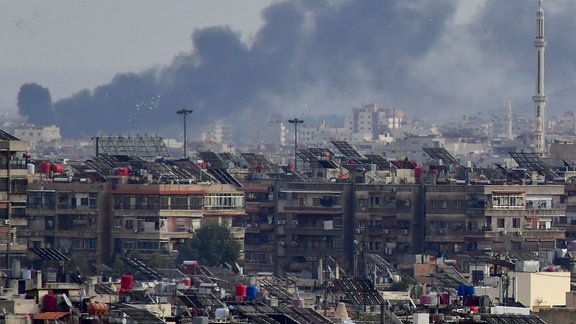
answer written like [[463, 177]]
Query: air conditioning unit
[[294, 243], [441, 231], [519, 233], [135, 230], [504, 232], [256, 225], [405, 232], [528, 225], [385, 232], [294, 222], [281, 243], [6, 222]]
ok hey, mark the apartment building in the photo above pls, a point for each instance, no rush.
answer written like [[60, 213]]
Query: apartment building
[[388, 219], [93, 213], [498, 218], [13, 183], [259, 238], [70, 217], [313, 220], [159, 217]]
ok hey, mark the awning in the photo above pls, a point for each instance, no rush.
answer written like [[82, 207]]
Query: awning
[[51, 315]]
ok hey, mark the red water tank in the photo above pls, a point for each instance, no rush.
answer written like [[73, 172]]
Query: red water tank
[[444, 298], [418, 170], [241, 290], [95, 308], [127, 282], [50, 302], [122, 171], [45, 167], [58, 168], [187, 282]]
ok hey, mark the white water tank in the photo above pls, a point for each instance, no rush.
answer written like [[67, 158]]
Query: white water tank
[[222, 313]]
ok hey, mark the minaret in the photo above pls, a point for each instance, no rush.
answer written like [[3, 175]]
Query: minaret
[[539, 97]]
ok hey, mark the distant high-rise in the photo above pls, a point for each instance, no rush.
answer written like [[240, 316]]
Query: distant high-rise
[[539, 97]]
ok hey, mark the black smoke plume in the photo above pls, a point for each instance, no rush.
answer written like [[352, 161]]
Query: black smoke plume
[[324, 56]]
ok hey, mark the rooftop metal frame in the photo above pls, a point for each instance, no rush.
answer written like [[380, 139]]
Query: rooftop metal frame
[[145, 147]]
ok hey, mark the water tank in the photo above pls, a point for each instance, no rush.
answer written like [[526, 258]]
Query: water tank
[[26, 274], [222, 313], [126, 282], [298, 302], [434, 298], [122, 171], [95, 308], [45, 167], [251, 292], [424, 300], [416, 292], [444, 298], [396, 278], [240, 291], [58, 168], [31, 168], [418, 170], [50, 302]]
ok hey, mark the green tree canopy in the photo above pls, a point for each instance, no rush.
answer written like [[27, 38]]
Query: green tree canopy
[[212, 245]]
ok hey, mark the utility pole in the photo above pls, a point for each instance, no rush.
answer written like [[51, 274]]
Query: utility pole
[[295, 121], [185, 112]]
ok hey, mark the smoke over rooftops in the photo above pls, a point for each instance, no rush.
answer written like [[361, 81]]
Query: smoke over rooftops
[[325, 56]]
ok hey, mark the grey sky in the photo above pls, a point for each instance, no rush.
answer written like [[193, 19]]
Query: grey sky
[[420, 56], [68, 45]]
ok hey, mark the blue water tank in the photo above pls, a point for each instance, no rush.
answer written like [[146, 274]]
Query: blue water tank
[[251, 292]]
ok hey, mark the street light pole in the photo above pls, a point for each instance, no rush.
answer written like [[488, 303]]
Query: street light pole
[[185, 113], [295, 121]]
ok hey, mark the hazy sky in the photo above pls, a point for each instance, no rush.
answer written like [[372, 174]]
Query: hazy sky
[[68, 45], [429, 58]]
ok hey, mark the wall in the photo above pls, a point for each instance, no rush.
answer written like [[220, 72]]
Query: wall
[[558, 315], [542, 289]]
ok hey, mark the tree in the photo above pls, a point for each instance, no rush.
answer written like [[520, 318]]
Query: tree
[[35, 103], [212, 245]]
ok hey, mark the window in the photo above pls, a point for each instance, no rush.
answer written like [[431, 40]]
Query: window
[[92, 200], [500, 223], [375, 201], [129, 224], [118, 222], [196, 202], [179, 202], [508, 201], [515, 222], [41, 199], [164, 202]]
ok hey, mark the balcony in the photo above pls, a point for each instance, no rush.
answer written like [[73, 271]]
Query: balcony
[[313, 210], [18, 247], [319, 231]]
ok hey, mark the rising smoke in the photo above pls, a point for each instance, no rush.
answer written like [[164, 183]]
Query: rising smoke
[[322, 56]]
